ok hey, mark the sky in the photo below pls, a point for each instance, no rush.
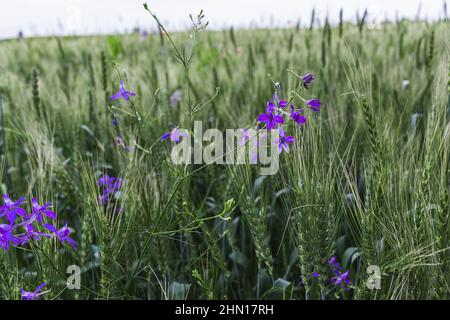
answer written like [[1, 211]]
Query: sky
[[58, 17]]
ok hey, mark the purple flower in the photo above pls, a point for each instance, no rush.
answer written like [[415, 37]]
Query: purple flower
[[23, 227], [314, 104], [175, 98], [6, 237], [110, 185], [115, 122], [62, 234], [271, 119], [283, 104], [119, 141], [122, 93], [283, 141], [278, 102], [40, 211], [307, 79], [174, 135], [26, 295], [11, 209], [315, 274], [341, 279], [297, 116]]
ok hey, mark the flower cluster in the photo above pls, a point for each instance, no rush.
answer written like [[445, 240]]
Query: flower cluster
[[276, 115], [341, 278], [36, 294], [22, 226], [110, 186]]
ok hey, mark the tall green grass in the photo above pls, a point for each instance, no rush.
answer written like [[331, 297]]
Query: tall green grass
[[367, 180]]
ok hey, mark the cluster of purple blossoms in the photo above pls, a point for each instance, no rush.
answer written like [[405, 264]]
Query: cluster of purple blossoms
[[341, 278], [22, 227], [33, 295], [276, 114], [110, 186]]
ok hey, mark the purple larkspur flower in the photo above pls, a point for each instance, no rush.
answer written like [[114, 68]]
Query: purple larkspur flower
[[315, 275], [118, 141], [314, 104], [27, 295], [6, 237], [297, 116], [23, 227], [11, 209], [175, 134], [283, 141], [307, 79], [62, 234], [341, 278], [110, 186], [276, 101], [42, 211], [33, 234], [175, 98], [122, 93], [269, 118]]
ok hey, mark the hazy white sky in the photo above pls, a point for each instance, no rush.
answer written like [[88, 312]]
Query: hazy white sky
[[43, 17]]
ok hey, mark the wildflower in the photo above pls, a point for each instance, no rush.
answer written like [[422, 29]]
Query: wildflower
[[175, 98], [6, 237], [315, 274], [174, 135], [271, 119], [297, 116], [307, 79], [11, 209], [314, 104], [122, 93], [115, 122], [62, 234], [277, 101], [41, 211], [340, 279], [119, 141], [22, 227], [283, 141], [110, 186], [26, 295]]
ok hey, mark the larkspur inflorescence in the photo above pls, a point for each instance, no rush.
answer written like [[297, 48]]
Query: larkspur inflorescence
[[275, 114], [22, 227], [341, 278], [33, 295], [110, 186]]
